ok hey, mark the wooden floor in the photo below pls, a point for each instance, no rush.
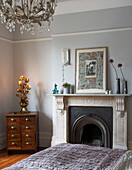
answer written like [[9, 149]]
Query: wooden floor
[[8, 160]]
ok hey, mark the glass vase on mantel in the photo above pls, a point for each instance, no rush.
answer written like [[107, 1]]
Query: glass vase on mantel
[[124, 87], [118, 86], [65, 90]]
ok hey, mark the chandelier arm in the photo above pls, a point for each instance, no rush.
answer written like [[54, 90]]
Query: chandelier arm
[[21, 9], [27, 8], [2, 5], [38, 22], [9, 3], [31, 3], [40, 10], [22, 3]]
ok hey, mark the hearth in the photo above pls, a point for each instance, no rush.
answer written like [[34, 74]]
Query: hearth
[[91, 125]]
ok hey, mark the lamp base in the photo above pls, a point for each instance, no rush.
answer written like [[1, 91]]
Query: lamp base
[[24, 109]]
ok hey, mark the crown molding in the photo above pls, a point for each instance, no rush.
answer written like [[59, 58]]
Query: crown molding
[[93, 32], [25, 41], [32, 40], [73, 6], [6, 40], [67, 34]]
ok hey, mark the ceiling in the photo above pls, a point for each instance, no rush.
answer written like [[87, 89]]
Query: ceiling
[[73, 6]]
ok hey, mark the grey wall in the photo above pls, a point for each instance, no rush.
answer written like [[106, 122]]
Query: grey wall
[[115, 41], [93, 20], [6, 86], [34, 60]]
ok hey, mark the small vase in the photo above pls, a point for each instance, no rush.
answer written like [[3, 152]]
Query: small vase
[[72, 89], [124, 87], [65, 90], [118, 86], [24, 103]]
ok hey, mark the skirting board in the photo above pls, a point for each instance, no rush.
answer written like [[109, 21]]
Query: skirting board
[[45, 139], [2, 141]]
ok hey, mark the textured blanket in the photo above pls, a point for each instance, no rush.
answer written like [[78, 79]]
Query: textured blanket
[[75, 157]]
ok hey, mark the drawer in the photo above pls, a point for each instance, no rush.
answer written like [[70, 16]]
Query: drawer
[[28, 128], [14, 137], [28, 137], [13, 121], [28, 145], [13, 129], [14, 145], [28, 120]]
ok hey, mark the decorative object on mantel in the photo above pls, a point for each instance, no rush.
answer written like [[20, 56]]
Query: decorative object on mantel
[[117, 79], [65, 62], [72, 89], [124, 84], [23, 89], [110, 92], [106, 92], [66, 56], [55, 91], [27, 13], [66, 88], [90, 70]]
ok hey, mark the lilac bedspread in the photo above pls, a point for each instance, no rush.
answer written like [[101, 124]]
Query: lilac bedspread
[[71, 157]]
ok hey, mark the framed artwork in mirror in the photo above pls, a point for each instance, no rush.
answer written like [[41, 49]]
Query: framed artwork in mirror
[[90, 70]]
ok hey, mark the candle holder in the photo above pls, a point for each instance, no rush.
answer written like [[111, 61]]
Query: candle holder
[[118, 86], [23, 89], [124, 87]]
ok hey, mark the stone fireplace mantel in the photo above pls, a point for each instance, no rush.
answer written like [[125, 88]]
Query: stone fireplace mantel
[[117, 101]]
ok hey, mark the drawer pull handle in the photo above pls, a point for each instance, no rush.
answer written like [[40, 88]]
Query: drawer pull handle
[[13, 119], [13, 136], [27, 119], [13, 127], [28, 135], [28, 127], [28, 143], [13, 143]]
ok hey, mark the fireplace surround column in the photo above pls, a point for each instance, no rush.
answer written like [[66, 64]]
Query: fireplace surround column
[[117, 101]]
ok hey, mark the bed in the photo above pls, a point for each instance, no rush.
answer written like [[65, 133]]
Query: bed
[[76, 157]]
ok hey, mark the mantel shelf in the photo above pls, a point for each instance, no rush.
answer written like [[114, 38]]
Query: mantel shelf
[[92, 95]]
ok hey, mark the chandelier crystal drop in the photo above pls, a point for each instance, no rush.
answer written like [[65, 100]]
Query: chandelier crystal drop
[[27, 13]]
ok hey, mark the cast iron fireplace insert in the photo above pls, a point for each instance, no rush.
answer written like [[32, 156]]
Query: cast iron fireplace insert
[[91, 125]]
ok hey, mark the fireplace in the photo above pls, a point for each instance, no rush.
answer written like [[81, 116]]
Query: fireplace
[[91, 125], [111, 133]]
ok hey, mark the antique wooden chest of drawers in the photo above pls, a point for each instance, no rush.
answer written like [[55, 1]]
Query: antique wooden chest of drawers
[[22, 131]]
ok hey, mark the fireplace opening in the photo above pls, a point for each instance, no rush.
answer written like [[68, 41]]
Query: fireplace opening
[[91, 134], [91, 125]]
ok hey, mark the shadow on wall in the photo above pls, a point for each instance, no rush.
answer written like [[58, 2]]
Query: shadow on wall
[[45, 123]]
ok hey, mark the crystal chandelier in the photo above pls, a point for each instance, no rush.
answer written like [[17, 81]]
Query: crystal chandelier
[[27, 13]]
